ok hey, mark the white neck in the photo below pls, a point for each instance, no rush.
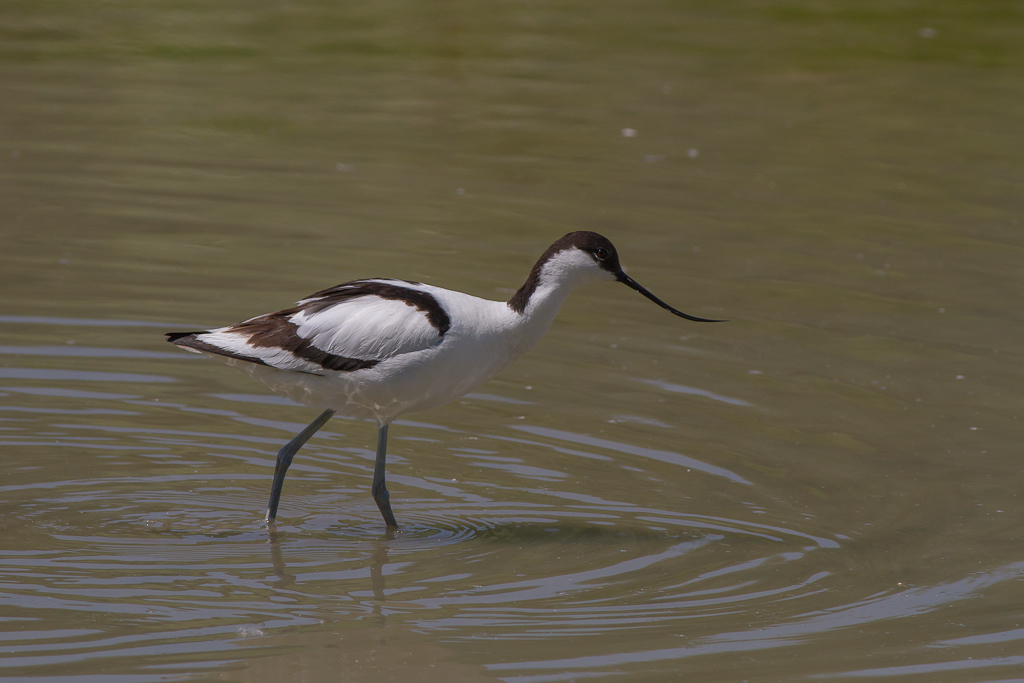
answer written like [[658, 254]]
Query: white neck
[[557, 278]]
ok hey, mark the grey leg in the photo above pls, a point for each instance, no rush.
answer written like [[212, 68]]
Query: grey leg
[[284, 459], [379, 490]]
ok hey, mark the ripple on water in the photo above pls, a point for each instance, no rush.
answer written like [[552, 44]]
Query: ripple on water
[[149, 523]]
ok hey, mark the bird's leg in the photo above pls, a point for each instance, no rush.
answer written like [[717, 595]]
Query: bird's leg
[[284, 459], [380, 491]]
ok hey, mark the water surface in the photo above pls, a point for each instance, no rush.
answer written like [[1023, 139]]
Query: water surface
[[827, 486]]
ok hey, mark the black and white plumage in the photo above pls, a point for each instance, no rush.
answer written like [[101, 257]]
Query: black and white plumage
[[379, 348]]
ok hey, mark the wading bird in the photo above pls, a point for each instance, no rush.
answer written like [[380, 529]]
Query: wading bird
[[379, 348]]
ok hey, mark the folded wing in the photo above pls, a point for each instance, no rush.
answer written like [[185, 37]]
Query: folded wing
[[350, 327]]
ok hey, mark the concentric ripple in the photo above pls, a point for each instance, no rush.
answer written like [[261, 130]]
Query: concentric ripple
[[132, 513], [157, 522]]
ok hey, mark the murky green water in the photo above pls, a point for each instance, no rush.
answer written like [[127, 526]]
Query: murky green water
[[828, 486]]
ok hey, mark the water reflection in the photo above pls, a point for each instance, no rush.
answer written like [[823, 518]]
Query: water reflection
[[693, 391], [87, 322], [662, 456], [899, 604], [79, 376], [81, 351]]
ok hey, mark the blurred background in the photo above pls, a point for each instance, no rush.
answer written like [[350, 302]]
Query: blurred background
[[828, 485]]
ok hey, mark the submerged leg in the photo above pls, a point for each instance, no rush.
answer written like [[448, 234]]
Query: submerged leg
[[379, 490], [284, 459]]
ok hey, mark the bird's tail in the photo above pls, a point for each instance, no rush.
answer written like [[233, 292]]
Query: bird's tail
[[174, 337]]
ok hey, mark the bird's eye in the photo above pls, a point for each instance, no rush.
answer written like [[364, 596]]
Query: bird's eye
[[600, 253]]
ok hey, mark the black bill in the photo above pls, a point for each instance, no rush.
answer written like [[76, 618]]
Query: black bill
[[630, 282]]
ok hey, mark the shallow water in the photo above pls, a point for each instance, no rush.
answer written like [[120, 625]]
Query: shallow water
[[827, 486]]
